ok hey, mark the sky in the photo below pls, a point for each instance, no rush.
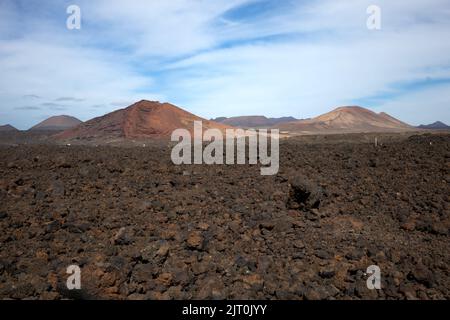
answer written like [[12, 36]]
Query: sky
[[224, 58]]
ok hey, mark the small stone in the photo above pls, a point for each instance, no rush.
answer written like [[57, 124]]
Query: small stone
[[122, 237], [163, 250], [57, 188], [312, 294], [327, 274], [137, 296], [439, 229], [267, 225], [180, 276], [195, 240], [282, 225], [397, 278], [211, 288], [298, 255], [355, 254], [254, 281], [299, 244], [155, 252], [165, 279], [11, 165], [304, 194], [322, 254], [52, 227], [278, 196], [373, 163], [41, 254], [203, 226], [409, 225], [312, 216], [422, 275], [143, 272]]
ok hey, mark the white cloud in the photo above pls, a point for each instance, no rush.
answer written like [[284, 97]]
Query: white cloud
[[307, 77], [173, 50], [431, 104], [53, 71], [160, 28]]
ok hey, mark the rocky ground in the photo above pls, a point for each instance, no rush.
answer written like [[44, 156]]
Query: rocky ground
[[140, 227]]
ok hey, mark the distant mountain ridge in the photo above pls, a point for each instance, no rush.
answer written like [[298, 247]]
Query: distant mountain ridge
[[152, 119], [438, 125], [253, 121]]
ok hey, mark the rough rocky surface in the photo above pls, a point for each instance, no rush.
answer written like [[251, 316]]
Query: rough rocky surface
[[140, 227]]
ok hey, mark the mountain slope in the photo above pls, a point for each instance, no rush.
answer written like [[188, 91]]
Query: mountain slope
[[144, 119], [7, 128], [347, 119], [57, 123]]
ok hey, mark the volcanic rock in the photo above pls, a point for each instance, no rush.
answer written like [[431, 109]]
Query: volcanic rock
[[122, 237], [195, 240], [304, 194], [252, 246]]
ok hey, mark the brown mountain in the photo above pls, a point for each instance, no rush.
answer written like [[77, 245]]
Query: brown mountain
[[253, 121], [57, 123], [7, 128], [144, 119], [347, 119]]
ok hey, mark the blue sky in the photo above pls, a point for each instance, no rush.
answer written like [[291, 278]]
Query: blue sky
[[224, 58]]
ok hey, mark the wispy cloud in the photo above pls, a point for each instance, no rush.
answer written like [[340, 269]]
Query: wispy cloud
[[98, 106], [121, 103], [55, 106], [31, 96], [28, 108], [69, 99]]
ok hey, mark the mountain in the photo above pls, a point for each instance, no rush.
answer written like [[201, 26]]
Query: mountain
[[253, 121], [144, 119], [7, 128], [347, 119], [438, 125], [57, 123]]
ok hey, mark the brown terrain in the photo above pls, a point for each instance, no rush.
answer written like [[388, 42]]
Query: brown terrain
[[56, 123], [142, 120], [346, 120], [141, 227]]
